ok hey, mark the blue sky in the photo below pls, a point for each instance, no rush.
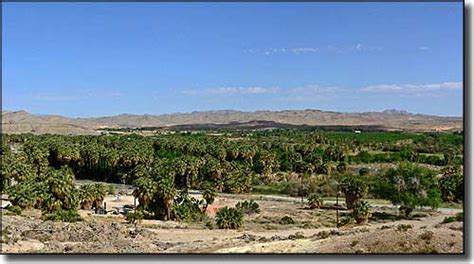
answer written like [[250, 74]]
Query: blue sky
[[97, 59]]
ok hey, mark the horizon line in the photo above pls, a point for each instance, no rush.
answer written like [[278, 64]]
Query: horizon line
[[400, 111]]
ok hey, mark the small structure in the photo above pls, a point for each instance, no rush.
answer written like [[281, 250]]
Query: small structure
[[357, 131]]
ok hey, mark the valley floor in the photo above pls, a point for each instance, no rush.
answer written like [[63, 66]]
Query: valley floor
[[313, 232]]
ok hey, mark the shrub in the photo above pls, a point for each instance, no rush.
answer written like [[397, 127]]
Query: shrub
[[427, 235], [460, 216], [286, 220], [449, 219], [15, 209], [361, 211], [354, 188], [297, 235], [248, 207], [63, 215], [111, 189], [404, 227], [290, 188], [187, 208], [323, 234], [210, 225], [315, 201], [452, 187], [348, 220], [229, 218], [135, 217], [409, 185]]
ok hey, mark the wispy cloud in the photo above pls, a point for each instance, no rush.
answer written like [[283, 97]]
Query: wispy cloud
[[417, 89], [315, 92], [359, 47], [232, 91], [311, 93], [423, 48], [272, 51], [305, 93], [298, 51]]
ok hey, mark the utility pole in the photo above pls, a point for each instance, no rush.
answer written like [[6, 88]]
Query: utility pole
[[301, 189], [337, 206]]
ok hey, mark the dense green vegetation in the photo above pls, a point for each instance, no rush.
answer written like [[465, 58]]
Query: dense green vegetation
[[38, 170]]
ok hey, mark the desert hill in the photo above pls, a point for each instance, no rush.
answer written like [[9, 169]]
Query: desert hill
[[24, 122]]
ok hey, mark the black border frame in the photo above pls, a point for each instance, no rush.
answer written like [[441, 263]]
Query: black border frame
[[465, 255]]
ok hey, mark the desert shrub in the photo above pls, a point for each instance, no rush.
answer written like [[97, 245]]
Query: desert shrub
[[452, 187], [347, 220], [427, 235], [15, 209], [135, 217], [187, 208], [404, 227], [354, 188], [459, 217], [111, 189], [290, 188], [361, 211], [297, 235], [209, 225], [229, 218], [409, 185], [315, 201], [63, 215], [248, 207], [449, 219], [286, 220], [323, 234]]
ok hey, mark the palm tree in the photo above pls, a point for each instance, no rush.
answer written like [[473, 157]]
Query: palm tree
[[167, 192], [209, 194]]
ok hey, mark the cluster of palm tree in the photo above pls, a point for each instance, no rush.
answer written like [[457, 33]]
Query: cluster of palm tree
[[38, 169]]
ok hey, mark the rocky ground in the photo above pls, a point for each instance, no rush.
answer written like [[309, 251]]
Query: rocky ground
[[313, 231]]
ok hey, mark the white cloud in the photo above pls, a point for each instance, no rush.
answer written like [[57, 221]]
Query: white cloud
[[298, 51], [413, 88], [359, 47], [311, 93], [313, 89], [232, 91], [423, 48], [315, 92]]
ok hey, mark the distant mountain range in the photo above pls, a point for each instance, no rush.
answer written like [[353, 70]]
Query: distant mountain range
[[24, 122]]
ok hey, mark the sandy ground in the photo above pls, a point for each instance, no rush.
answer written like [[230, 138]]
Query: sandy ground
[[313, 232]]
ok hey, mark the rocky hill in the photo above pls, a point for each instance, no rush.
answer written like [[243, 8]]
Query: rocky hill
[[24, 122]]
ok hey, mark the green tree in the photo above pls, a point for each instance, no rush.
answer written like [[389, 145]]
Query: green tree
[[354, 188], [409, 186]]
